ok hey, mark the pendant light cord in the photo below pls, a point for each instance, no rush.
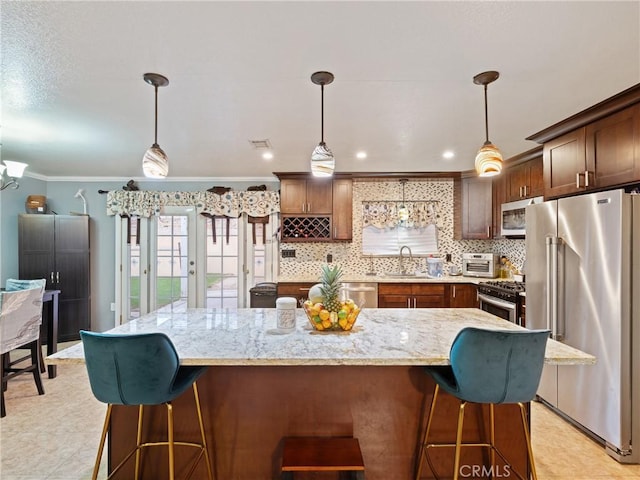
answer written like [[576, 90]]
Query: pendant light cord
[[322, 113], [486, 115], [155, 138]]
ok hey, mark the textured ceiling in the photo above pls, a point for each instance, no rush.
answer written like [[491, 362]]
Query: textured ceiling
[[74, 103]]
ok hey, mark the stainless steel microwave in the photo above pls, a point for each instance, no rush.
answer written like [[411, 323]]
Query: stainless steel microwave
[[512, 222]]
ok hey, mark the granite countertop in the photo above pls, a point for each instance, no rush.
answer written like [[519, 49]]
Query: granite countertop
[[390, 279], [380, 337]]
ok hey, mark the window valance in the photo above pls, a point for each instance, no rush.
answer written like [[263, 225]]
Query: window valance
[[384, 214], [231, 204]]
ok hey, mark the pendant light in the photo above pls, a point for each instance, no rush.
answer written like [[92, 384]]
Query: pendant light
[[403, 211], [322, 162], [155, 163], [489, 158]]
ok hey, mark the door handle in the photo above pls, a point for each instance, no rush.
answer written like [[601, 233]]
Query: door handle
[[57, 277], [578, 175], [51, 278]]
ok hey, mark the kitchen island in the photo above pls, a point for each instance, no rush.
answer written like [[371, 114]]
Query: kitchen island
[[263, 386]]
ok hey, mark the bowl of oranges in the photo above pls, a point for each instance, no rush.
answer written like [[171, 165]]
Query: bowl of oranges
[[324, 309], [321, 318]]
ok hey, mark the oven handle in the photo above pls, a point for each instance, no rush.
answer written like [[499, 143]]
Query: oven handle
[[497, 302]]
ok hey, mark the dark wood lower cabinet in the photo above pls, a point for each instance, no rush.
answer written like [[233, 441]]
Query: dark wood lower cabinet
[[299, 291], [427, 295], [249, 410]]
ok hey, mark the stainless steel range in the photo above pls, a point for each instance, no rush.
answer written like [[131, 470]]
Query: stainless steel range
[[502, 298]]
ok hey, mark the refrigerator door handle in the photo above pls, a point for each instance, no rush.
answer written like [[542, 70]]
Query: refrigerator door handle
[[552, 285], [552, 245]]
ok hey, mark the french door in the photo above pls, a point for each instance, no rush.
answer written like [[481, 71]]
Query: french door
[[178, 260]]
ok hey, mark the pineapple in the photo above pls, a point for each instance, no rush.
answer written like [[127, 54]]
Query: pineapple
[[330, 287]]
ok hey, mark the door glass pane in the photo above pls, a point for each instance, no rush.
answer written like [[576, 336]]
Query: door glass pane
[[259, 254], [171, 265], [222, 263], [133, 246]]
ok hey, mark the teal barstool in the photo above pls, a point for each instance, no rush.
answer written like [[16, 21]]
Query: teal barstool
[[488, 366], [141, 369]]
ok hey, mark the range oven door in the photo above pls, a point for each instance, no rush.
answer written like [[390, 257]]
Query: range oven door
[[498, 307]]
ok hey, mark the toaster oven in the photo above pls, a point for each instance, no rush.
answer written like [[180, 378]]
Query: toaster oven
[[483, 265]]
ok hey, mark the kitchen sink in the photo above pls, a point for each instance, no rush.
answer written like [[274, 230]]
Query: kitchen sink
[[400, 275]]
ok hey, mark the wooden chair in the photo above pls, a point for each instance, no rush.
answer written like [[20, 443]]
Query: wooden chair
[[20, 320]]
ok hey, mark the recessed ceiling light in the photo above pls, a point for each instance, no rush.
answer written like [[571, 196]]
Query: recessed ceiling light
[[267, 155], [448, 154], [361, 155]]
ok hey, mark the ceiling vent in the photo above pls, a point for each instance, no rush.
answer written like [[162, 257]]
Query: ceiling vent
[[261, 144]]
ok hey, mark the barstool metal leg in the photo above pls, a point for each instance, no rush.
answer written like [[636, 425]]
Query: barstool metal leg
[[523, 414], [105, 429], [456, 464], [170, 434], [423, 445], [139, 441], [492, 418], [204, 440]]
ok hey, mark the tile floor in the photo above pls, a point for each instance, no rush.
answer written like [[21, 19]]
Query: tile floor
[[55, 436]]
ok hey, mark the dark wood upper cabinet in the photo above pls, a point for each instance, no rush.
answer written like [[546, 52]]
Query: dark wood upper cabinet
[[473, 208], [565, 164], [306, 196], [595, 149], [525, 180], [56, 248], [342, 209], [315, 209], [613, 148]]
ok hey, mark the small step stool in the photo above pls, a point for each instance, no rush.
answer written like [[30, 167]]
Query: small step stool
[[322, 454]]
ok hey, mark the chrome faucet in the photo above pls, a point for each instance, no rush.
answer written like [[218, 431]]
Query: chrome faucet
[[402, 269]]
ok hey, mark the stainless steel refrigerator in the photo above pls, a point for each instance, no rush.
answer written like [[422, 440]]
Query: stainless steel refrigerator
[[581, 283]]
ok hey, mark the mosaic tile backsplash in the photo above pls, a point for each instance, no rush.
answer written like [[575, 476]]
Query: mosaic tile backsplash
[[310, 256]]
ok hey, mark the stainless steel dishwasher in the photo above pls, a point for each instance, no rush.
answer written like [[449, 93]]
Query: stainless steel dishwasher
[[363, 293]]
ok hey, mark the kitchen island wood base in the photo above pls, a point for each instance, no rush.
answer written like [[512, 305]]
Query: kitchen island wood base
[[249, 410]]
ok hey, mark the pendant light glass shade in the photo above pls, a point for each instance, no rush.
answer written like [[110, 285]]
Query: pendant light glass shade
[[155, 163], [488, 159], [322, 161]]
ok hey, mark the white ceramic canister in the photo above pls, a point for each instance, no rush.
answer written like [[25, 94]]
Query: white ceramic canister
[[286, 314]]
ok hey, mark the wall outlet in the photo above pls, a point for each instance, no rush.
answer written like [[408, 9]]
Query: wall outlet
[[291, 253], [448, 257], [113, 306]]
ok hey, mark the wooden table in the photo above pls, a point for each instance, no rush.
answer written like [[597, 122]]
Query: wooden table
[[50, 315]]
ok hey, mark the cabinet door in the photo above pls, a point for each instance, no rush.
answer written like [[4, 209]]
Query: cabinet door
[[536, 178], [36, 248], [613, 148], [564, 164], [293, 195], [499, 193], [463, 295], [319, 196], [394, 301], [517, 181], [476, 208], [342, 209], [72, 275], [394, 295], [429, 295]]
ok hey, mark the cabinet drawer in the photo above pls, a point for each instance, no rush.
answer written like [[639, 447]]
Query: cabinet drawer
[[394, 289], [428, 289]]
